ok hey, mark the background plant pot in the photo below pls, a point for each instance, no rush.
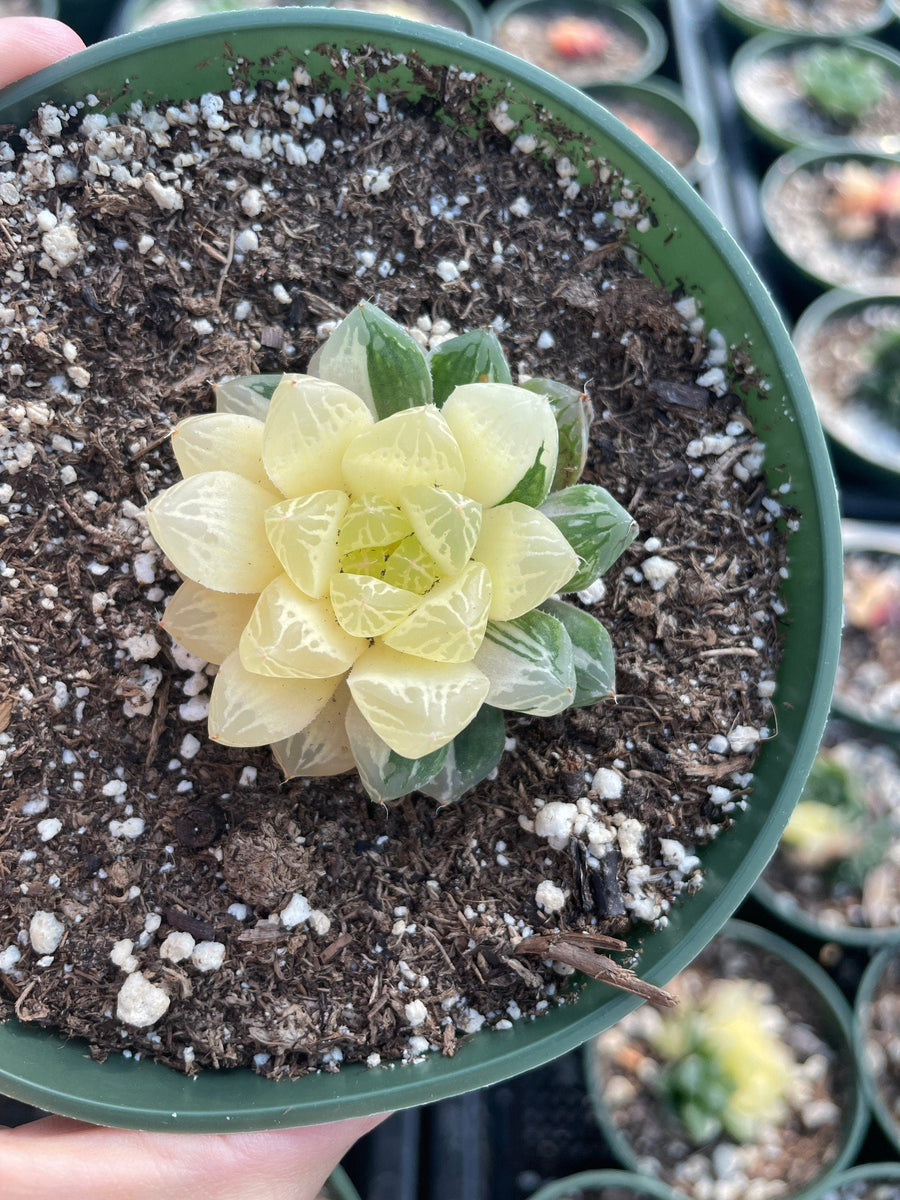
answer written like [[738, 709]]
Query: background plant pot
[[778, 889], [887, 960], [865, 447], [340, 1186], [641, 1187], [834, 1026], [633, 20], [868, 22], [779, 115], [866, 536], [31, 8], [660, 101], [868, 1173], [800, 231], [685, 247]]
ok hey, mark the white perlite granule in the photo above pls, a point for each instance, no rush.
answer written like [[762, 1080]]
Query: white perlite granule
[[208, 956], [45, 932], [140, 1003], [549, 897], [177, 947], [416, 1013], [295, 912]]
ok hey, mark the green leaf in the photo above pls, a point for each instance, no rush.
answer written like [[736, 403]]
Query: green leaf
[[473, 357], [373, 356], [247, 395], [592, 652], [385, 774], [530, 664], [597, 527], [534, 485], [574, 414], [473, 755]]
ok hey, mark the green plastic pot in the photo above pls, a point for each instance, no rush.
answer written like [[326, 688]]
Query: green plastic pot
[[888, 958], [866, 1173], [469, 16], [784, 906], [781, 170], [836, 1028], [632, 18], [340, 1185], [749, 25], [685, 246], [881, 539], [784, 134], [661, 97], [641, 1187], [865, 456]]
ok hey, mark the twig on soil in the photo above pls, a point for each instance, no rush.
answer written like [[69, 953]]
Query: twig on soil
[[581, 951]]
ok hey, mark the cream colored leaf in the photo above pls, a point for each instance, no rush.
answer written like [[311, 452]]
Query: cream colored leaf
[[212, 527], [322, 748], [220, 442], [368, 607], [290, 634], [246, 709], [372, 521], [446, 523], [415, 705], [410, 566], [208, 624], [504, 433], [303, 532], [528, 559], [449, 624], [410, 447], [310, 424]]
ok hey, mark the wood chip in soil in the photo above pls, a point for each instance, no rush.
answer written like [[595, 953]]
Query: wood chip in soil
[[226, 238]]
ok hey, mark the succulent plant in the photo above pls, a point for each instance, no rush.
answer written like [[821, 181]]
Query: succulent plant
[[865, 200], [726, 1069], [879, 387], [371, 552], [826, 826], [842, 83], [575, 37]]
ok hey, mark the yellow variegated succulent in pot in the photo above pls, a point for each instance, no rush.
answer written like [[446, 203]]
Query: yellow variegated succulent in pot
[[371, 553]]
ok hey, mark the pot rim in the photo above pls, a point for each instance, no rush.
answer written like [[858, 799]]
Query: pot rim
[[35, 1065], [870, 979], [560, 1188], [751, 26]]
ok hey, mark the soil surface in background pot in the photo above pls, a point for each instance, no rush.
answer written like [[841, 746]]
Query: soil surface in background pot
[[668, 136], [770, 89], [836, 360], [785, 1158], [855, 885], [865, 1189], [868, 676], [881, 1033], [225, 238], [836, 231], [810, 16], [579, 47]]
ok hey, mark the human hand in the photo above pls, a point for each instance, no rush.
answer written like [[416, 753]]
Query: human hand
[[54, 1157], [29, 43]]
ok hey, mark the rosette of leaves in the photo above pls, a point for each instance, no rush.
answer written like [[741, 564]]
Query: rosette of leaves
[[841, 82], [371, 554], [879, 387], [726, 1069]]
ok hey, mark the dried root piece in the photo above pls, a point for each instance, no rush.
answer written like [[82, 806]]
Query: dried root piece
[[583, 952]]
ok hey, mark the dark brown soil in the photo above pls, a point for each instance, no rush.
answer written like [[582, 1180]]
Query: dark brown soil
[[788, 1156], [101, 720]]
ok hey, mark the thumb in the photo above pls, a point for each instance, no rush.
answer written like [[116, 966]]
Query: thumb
[[29, 43]]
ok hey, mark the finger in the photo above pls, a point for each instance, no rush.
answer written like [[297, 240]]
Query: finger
[[53, 1157], [29, 43]]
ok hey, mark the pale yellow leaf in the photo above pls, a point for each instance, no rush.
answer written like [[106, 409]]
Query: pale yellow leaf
[[246, 709], [368, 607], [410, 447], [372, 521], [290, 634], [322, 748], [220, 442], [212, 527], [449, 624], [310, 424], [410, 567], [446, 523], [303, 532], [415, 705], [208, 624], [527, 557]]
